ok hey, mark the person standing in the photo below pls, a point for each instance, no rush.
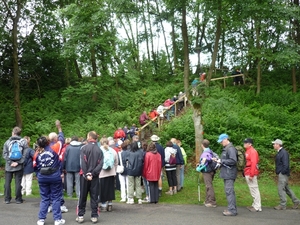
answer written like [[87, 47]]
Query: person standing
[[181, 169], [72, 166], [91, 160], [28, 169], [152, 171], [228, 173], [251, 172], [170, 168], [48, 171], [13, 165], [179, 163], [208, 174], [282, 169], [107, 175]]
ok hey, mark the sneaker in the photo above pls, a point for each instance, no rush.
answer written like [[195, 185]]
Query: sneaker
[[63, 209], [123, 200], [50, 209], [109, 208], [209, 205], [175, 192], [295, 206], [169, 192], [145, 200], [280, 207], [130, 201], [94, 219], [80, 219], [19, 201], [40, 222], [253, 209], [59, 222], [7, 202], [140, 201]]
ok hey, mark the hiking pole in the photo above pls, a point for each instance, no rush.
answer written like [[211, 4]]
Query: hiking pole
[[199, 192]]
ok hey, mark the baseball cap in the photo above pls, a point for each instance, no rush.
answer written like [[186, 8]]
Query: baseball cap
[[248, 140], [277, 141], [222, 137]]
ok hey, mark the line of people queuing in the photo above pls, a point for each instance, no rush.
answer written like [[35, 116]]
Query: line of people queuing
[[90, 166]]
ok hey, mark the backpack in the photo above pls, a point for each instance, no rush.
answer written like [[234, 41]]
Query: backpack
[[15, 150], [172, 159], [209, 166], [241, 158], [108, 159]]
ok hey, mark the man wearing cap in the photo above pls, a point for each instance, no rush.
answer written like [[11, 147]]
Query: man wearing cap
[[228, 172], [251, 172], [154, 138], [282, 167]]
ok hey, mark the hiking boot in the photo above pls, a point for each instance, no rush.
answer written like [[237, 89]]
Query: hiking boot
[[130, 201], [80, 219], [63, 209], [295, 206], [228, 213], [209, 205], [59, 222], [280, 207], [40, 222], [169, 192], [94, 219]]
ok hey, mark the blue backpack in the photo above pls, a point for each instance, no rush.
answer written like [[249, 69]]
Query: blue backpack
[[108, 159], [15, 150]]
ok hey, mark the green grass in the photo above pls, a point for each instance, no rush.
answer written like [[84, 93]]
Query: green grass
[[189, 195]]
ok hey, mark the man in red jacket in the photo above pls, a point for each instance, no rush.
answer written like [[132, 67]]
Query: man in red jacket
[[251, 172]]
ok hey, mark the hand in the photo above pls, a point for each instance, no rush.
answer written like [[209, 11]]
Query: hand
[[250, 178], [89, 177], [14, 164], [57, 123]]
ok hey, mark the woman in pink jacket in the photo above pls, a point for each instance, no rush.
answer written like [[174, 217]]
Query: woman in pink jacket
[[151, 171]]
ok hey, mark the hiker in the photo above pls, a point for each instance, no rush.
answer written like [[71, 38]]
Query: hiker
[[181, 101], [194, 87], [57, 142], [119, 134], [72, 166], [181, 169], [160, 110], [238, 80], [170, 167], [107, 175], [133, 130], [91, 158], [28, 169], [179, 162], [202, 77], [14, 165], [144, 182], [152, 171], [208, 174], [123, 176], [134, 163], [282, 169], [168, 104], [251, 172], [154, 138], [48, 171], [143, 120], [228, 172]]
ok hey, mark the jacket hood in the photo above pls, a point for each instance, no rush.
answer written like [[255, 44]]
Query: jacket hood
[[172, 150], [75, 143]]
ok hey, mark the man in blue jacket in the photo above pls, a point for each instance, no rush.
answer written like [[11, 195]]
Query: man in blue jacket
[[282, 164]]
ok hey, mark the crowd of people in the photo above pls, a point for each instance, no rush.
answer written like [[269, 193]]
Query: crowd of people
[[96, 166], [228, 172]]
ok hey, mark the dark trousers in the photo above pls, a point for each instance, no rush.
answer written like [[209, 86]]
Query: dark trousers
[[86, 187], [18, 187], [210, 193], [172, 179], [153, 191]]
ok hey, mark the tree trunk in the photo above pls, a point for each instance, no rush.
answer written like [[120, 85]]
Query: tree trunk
[[174, 44], [216, 45], [198, 132], [258, 48], [151, 38], [146, 32], [93, 56], [77, 69], [186, 69]]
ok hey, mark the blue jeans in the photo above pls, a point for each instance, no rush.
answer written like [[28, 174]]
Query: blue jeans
[[146, 186], [181, 176]]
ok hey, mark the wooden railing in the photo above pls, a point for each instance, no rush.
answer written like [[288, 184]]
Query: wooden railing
[[225, 77]]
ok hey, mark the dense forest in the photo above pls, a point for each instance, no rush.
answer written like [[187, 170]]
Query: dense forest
[[97, 64]]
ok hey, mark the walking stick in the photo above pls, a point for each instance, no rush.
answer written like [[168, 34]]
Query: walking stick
[[199, 192]]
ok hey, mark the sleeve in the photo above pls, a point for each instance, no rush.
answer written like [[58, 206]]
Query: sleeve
[[181, 161], [83, 161], [285, 163], [254, 161], [116, 160], [146, 164], [61, 138], [98, 168], [231, 158], [5, 153]]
